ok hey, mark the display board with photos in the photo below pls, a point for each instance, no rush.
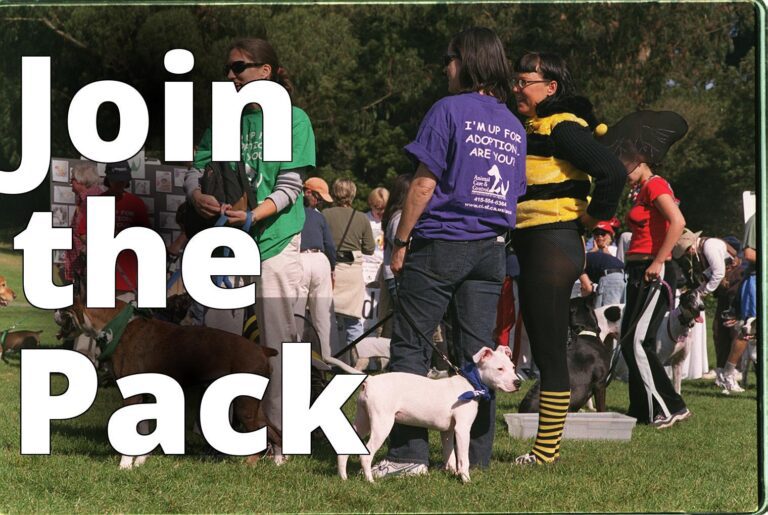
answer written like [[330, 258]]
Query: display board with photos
[[159, 186]]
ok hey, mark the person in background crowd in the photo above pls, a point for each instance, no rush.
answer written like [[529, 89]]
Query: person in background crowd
[[389, 222], [607, 273], [725, 311], [603, 238], [551, 217], [279, 216], [377, 201], [130, 211], [704, 263], [353, 238], [746, 328], [448, 248], [85, 182], [318, 260], [641, 140]]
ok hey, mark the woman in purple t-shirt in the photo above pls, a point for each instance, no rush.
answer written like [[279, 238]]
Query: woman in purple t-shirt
[[448, 248]]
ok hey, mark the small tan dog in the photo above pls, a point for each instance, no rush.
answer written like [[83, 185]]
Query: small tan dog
[[7, 295]]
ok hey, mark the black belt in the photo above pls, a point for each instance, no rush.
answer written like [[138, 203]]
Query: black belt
[[609, 271], [311, 250]]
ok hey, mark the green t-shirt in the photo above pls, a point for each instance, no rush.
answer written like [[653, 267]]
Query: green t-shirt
[[273, 233]]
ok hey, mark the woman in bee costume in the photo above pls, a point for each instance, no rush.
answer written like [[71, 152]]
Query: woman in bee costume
[[551, 217]]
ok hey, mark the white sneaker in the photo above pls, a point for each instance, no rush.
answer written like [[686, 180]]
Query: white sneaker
[[386, 468], [731, 384], [662, 422], [719, 381]]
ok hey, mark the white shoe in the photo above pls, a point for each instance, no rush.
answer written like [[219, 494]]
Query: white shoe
[[710, 375], [387, 468], [731, 384], [719, 381]]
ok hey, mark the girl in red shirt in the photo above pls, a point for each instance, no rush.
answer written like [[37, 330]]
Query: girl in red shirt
[[640, 140]]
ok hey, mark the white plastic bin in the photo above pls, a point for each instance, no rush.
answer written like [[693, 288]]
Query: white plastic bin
[[578, 426]]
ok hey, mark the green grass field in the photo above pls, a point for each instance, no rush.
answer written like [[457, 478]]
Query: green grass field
[[707, 464]]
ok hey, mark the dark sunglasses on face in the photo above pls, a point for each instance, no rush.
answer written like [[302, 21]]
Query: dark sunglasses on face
[[239, 67], [447, 58], [597, 234]]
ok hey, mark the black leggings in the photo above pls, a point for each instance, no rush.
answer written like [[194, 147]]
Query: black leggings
[[551, 260]]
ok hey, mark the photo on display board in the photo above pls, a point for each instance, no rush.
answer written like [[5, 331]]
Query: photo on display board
[[172, 202], [178, 177], [60, 171], [63, 195], [60, 215], [141, 187], [163, 181]]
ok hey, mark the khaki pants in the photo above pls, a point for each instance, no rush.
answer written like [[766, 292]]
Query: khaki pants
[[277, 289]]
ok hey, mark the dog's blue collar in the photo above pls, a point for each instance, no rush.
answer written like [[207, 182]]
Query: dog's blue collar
[[481, 391]]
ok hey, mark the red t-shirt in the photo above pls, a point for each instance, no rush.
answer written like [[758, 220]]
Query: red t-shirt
[[647, 223], [130, 211]]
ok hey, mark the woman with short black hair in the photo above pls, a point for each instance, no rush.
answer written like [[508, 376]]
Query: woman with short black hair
[[563, 158]]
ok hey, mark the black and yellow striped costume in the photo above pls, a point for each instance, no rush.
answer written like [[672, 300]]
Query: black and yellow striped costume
[[562, 158], [556, 190]]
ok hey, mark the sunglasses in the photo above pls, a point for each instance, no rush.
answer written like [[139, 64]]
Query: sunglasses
[[599, 233], [239, 67], [447, 58], [522, 83]]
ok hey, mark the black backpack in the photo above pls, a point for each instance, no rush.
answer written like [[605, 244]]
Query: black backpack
[[228, 186]]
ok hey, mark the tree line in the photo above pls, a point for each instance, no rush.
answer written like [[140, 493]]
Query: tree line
[[366, 75]]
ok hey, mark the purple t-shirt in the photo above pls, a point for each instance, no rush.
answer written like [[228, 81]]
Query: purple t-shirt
[[476, 148]]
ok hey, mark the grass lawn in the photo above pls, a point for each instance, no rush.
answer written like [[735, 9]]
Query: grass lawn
[[707, 464]]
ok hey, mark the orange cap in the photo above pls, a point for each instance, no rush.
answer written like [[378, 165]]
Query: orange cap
[[319, 186]]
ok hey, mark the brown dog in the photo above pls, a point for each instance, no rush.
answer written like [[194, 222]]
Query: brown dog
[[17, 340], [7, 295], [191, 355]]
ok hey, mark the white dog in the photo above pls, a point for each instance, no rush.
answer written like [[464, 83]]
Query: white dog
[[673, 338], [438, 404]]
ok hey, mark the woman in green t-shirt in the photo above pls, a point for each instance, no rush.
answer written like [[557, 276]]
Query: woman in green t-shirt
[[279, 214]]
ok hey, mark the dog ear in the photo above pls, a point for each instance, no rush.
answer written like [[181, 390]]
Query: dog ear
[[506, 350], [482, 354]]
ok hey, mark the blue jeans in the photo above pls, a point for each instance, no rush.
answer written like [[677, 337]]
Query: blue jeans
[[352, 327], [467, 275], [611, 289]]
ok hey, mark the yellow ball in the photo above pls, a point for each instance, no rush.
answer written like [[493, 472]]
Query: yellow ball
[[601, 129]]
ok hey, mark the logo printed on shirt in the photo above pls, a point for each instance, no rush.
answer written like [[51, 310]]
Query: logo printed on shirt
[[492, 144]]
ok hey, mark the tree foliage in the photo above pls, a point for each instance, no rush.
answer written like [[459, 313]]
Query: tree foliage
[[366, 75]]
